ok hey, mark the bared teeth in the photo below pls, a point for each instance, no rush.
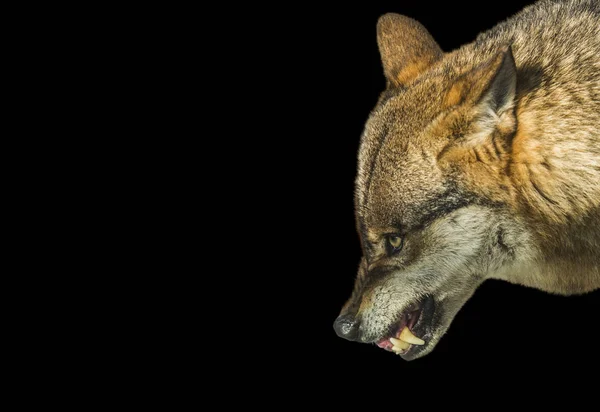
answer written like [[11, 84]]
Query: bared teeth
[[398, 351], [399, 345], [407, 336]]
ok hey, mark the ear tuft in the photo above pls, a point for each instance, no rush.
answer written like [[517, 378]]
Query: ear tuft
[[500, 95]]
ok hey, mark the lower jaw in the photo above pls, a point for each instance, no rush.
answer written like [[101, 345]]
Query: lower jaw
[[409, 352], [417, 327], [413, 352]]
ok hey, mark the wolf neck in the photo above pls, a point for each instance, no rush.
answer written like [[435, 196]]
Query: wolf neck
[[555, 177], [555, 165]]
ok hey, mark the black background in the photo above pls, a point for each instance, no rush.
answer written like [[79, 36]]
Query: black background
[[336, 74]]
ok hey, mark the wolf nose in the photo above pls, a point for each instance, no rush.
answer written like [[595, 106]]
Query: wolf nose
[[346, 326]]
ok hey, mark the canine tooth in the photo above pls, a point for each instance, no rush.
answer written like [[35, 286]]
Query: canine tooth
[[399, 343], [407, 336], [395, 341]]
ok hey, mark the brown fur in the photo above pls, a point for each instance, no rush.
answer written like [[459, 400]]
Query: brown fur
[[486, 160], [416, 45]]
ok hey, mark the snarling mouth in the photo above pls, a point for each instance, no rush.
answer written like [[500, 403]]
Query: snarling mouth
[[405, 333]]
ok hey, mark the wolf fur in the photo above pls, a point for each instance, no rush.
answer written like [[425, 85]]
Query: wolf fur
[[485, 161]]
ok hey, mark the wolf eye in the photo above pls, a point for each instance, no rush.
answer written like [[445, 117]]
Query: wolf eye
[[395, 243]]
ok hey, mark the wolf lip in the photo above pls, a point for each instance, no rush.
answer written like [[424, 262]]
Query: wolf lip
[[402, 340]]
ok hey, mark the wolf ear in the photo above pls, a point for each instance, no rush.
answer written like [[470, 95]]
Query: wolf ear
[[491, 87], [499, 84], [406, 47], [500, 95], [487, 93]]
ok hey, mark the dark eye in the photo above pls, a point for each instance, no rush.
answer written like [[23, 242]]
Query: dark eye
[[394, 243]]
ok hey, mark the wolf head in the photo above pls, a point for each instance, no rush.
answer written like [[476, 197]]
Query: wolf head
[[433, 200]]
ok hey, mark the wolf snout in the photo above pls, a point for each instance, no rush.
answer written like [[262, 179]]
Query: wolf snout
[[346, 326]]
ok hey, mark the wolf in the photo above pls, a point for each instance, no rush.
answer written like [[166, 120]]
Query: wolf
[[482, 163]]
